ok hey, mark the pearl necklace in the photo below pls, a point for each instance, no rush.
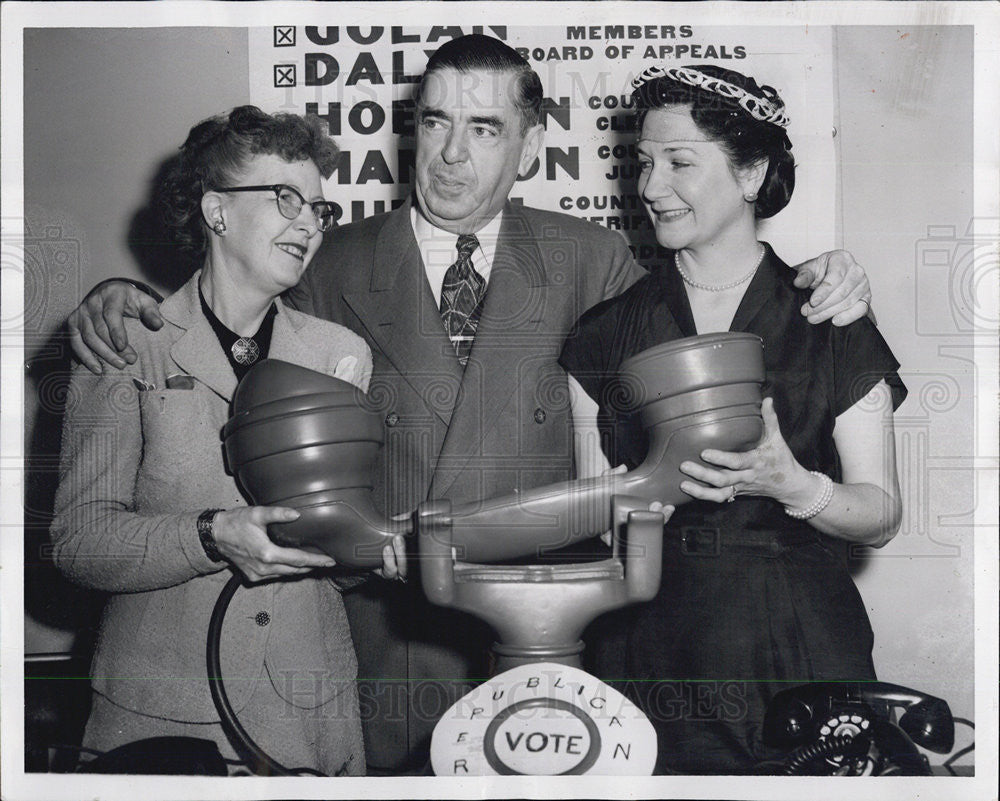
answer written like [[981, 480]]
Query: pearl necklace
[[717, 287]]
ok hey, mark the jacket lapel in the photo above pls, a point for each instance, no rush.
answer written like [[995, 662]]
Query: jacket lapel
[[287, 345], [515, 294], [197, 351], [398, 311]]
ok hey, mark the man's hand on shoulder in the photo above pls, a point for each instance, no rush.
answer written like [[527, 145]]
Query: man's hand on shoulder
[[97, 326], [841, 292]]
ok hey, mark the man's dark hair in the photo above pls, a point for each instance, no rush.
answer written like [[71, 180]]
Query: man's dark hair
[[476, 52]]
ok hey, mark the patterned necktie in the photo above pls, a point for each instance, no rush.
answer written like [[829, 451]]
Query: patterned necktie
[[462, 294]]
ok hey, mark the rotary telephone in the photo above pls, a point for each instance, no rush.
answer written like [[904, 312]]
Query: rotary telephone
[[845, 729]]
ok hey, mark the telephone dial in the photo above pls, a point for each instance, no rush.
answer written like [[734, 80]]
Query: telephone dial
[[846, 729]]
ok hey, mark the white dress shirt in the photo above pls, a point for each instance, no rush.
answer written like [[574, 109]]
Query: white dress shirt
[[439, 249]]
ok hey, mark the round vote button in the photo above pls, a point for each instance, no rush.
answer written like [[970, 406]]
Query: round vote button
[[543, 719], [542, 736]]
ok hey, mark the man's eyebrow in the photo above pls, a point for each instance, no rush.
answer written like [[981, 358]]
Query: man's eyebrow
[[435, 113], [494, 122]]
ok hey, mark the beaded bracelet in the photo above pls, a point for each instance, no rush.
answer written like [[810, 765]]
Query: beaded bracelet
[[821, 502]]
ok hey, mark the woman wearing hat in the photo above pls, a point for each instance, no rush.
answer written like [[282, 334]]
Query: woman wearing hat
[[756, 594]]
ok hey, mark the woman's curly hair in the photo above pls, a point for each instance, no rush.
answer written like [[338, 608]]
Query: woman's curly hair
[[745, 140], [219, 149]]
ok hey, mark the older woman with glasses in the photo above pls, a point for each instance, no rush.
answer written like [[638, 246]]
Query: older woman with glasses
[[145, 508]]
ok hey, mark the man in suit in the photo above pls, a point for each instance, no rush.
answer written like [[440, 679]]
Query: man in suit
[[466, 380]]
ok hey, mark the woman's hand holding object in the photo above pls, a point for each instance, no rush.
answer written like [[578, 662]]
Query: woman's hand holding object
[[769, 470], [241, 537]]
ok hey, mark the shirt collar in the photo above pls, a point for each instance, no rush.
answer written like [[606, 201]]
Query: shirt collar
[[438, 248]]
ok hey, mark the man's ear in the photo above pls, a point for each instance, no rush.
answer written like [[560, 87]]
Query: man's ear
[[531, 147], [212, 208]]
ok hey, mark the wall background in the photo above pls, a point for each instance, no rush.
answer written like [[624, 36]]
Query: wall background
[[104, 108]]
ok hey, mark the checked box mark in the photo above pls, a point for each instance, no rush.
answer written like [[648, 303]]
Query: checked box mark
[[284, 75], [284, 36]]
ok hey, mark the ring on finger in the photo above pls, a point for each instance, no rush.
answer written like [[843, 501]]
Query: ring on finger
[[732, 495]]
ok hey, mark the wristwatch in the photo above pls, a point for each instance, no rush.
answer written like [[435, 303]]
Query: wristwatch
[[205, 535]]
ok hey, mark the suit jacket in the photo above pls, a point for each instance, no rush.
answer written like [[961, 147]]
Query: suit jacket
[[501, 426], [137, 468], [504, 423]]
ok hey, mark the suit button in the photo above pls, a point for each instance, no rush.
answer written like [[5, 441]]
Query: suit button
[[539, 415], [262, 618], [391, 419]]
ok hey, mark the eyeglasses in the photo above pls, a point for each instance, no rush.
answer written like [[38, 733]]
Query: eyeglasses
[[290, 203]]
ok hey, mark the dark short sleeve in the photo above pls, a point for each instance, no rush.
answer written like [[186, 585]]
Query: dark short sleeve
[[861, 358], [588, 352]]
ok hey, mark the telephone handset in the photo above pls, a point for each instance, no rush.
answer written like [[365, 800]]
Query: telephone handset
[[845, 728]]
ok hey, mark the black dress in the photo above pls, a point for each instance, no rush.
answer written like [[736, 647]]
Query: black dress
[[751, 600]]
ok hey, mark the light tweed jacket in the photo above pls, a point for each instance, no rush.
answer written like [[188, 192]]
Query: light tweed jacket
[[137, 468]]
